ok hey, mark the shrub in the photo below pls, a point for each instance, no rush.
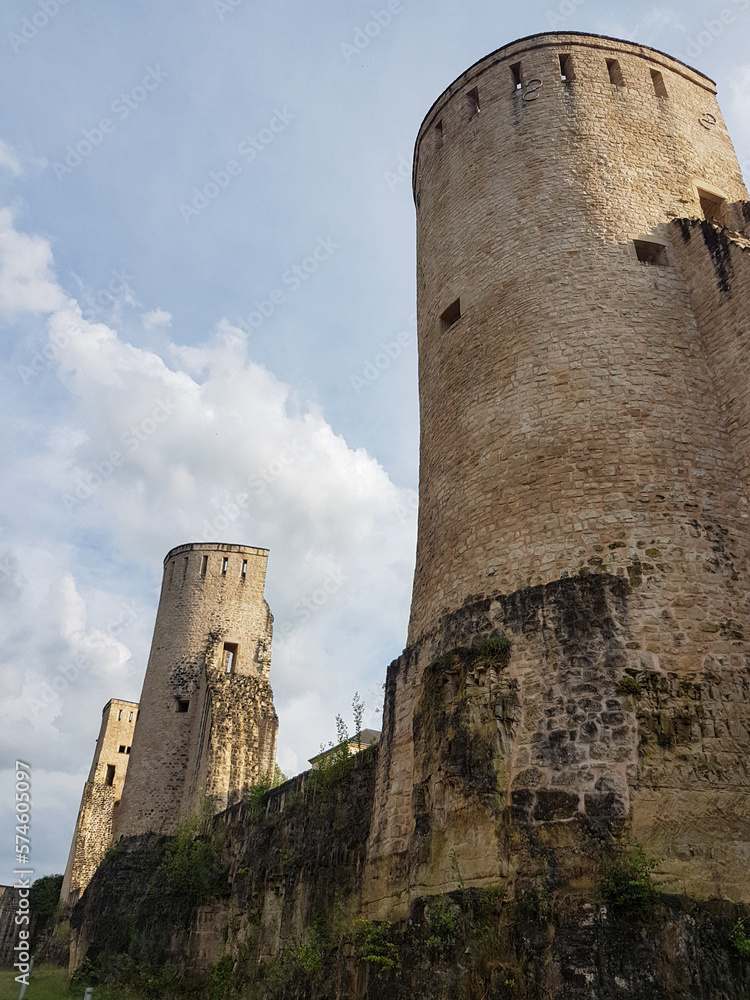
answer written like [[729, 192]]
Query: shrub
[[739, 939], [255, 796], [444, 926], [221, 980], [375, 944], [629, 685], [625, 882], [45, 895]]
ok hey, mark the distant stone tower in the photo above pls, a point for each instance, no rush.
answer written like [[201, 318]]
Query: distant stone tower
[[583, 292], [207, 725], [101, 797]]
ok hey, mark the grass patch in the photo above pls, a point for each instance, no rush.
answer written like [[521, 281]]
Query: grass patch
[[47, 982], [496, 648]]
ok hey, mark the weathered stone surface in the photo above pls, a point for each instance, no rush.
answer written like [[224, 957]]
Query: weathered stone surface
[[101, 796], [211, 607]]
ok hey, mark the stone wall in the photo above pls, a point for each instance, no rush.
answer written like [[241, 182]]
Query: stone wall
[[92, 838], [715, 264], [207, 724], [295, 859], [290, 923], [8, 929], [564, 739]]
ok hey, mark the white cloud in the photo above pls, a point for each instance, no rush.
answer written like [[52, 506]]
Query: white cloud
[[156, 318], [148, 452], [27, 283], [9, 160]]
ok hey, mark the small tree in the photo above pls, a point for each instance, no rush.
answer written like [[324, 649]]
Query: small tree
[[358, 711]]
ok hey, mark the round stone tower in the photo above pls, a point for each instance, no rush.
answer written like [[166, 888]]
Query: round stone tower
[[206, 724], [567, 410], [577, 667]]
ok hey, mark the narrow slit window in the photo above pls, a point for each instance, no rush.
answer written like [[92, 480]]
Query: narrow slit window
[[171, 571], [450, 316], [184, 567], [131, 717], [472, 102], [204, 565], [230, 657], [110, 776], [439, 134], [615, 73], [224, 565], [119, 715], [183, 704], [127, 749], [657, 79], [566, 67], [515, 72], [244, 568], [651, 253], [712, 206]]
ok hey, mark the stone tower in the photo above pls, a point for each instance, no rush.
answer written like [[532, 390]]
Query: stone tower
[[101, 797], [207, 725], [577, 667]]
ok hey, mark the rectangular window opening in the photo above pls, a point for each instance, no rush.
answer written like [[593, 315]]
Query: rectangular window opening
[[658, 81], [123, 748], [224, 565], [230, 657], [566, 68], [712, 207], [651, 253], [439, 134], [615, 73], [472, 102], [183, 704], [244, 568], [450, 316], [127, 749], [515, 72], [204, 565], [110, 776]]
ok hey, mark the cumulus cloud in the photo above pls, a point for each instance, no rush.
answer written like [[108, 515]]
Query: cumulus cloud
[[27, 282], [9, 160], [145, 452], [156, 318]]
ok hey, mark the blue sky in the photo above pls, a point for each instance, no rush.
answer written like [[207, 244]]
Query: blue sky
[[207, 267]]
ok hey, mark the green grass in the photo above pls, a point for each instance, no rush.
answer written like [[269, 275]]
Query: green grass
[[48, 982]]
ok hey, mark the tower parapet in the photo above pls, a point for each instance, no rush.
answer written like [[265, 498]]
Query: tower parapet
[[207, 725]]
